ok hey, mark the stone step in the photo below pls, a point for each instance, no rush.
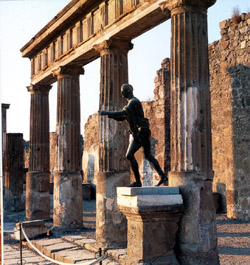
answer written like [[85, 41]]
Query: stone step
[[69, 249]]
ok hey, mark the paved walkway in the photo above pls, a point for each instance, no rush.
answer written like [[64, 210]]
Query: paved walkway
[[233, 244]]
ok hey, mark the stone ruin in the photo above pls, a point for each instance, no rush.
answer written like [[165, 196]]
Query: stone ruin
[[84, 31]]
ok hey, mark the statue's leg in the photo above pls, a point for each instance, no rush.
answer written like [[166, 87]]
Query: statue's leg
[[133, 147], [154, 163]]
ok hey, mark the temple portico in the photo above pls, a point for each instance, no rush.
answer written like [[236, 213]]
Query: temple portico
[[82, 32]]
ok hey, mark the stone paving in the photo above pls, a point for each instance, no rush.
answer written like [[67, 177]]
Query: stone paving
[[233, 244]]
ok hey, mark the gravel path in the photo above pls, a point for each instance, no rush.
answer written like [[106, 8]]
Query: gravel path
[[233, 241]]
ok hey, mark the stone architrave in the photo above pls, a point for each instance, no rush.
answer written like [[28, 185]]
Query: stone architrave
[[67, 212], [191, 151], [14, 164], [111, 227], [37, 178]]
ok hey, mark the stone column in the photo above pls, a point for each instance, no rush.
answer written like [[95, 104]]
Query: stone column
[[191, 151], [67, 213], [14, 163], [37, 179], [4, 129], [111, 227]]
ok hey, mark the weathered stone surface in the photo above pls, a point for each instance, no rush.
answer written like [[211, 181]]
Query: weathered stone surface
[[229, 81], [67, 212], [37, 195], [111, 225], [149, 200], [131, 191], [37, 205], [90, 158], [4, 108], [70, 36], [113, 136], [191, 147], [151, 228], [14, 163], [31, 229], [197, 231]]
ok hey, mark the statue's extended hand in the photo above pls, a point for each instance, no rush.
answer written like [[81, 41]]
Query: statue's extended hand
[[102, 112]]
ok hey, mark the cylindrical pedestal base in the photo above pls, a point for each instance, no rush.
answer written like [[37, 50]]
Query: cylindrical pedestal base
[[197, 233], [37, 195], [111, 224], [67, 214]]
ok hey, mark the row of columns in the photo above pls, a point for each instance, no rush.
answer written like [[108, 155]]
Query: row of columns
[[191, 166]]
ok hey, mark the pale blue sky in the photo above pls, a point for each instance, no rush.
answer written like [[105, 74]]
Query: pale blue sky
[[21, 20]]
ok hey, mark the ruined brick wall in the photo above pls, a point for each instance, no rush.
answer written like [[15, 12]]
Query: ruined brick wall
[[157, 112], [52, 154], [90, 158], [229, 60]]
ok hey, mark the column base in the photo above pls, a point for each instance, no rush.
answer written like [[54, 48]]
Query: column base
[[67, 213], [37, 195], [111, 224], [12, 203], [197, 234]]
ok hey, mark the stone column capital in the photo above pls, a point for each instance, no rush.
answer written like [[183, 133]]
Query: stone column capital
[[180, 6], [68, 70], [39, 88], [114, 44]]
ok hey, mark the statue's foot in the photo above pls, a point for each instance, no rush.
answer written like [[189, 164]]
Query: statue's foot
[[162, 180], [135, 184]]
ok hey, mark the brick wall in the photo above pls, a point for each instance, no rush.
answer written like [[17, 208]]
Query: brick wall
[[229, 60]]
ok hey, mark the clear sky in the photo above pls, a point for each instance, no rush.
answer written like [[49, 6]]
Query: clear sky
[[21, 20]]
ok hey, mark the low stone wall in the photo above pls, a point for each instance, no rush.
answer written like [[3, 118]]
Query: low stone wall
[[230, 100]]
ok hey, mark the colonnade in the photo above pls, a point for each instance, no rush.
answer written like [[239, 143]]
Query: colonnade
[[191, 166]]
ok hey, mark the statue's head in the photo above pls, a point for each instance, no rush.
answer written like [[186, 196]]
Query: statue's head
[[127, 90]]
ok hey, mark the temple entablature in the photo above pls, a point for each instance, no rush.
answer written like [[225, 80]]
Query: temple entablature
[[71, 35]]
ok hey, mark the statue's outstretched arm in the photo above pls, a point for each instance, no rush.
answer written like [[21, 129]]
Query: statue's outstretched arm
[[116, 115]]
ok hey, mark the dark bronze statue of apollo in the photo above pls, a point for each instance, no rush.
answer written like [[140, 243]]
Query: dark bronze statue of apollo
[[140, 132]]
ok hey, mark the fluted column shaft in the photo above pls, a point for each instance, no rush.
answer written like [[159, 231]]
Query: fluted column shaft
[[37, 179], [111, 225], [14, 164], [39, 128], [113, 136], [190, 121], [191, 148], [68, 119], [67, 213]]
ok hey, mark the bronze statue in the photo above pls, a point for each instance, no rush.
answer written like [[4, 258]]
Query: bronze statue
[[140, 132]]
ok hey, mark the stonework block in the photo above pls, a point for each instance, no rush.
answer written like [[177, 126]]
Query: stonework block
[[111, 225], [147, 191], [31, 228], [152, 226], [37, 195], [67, 213]]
